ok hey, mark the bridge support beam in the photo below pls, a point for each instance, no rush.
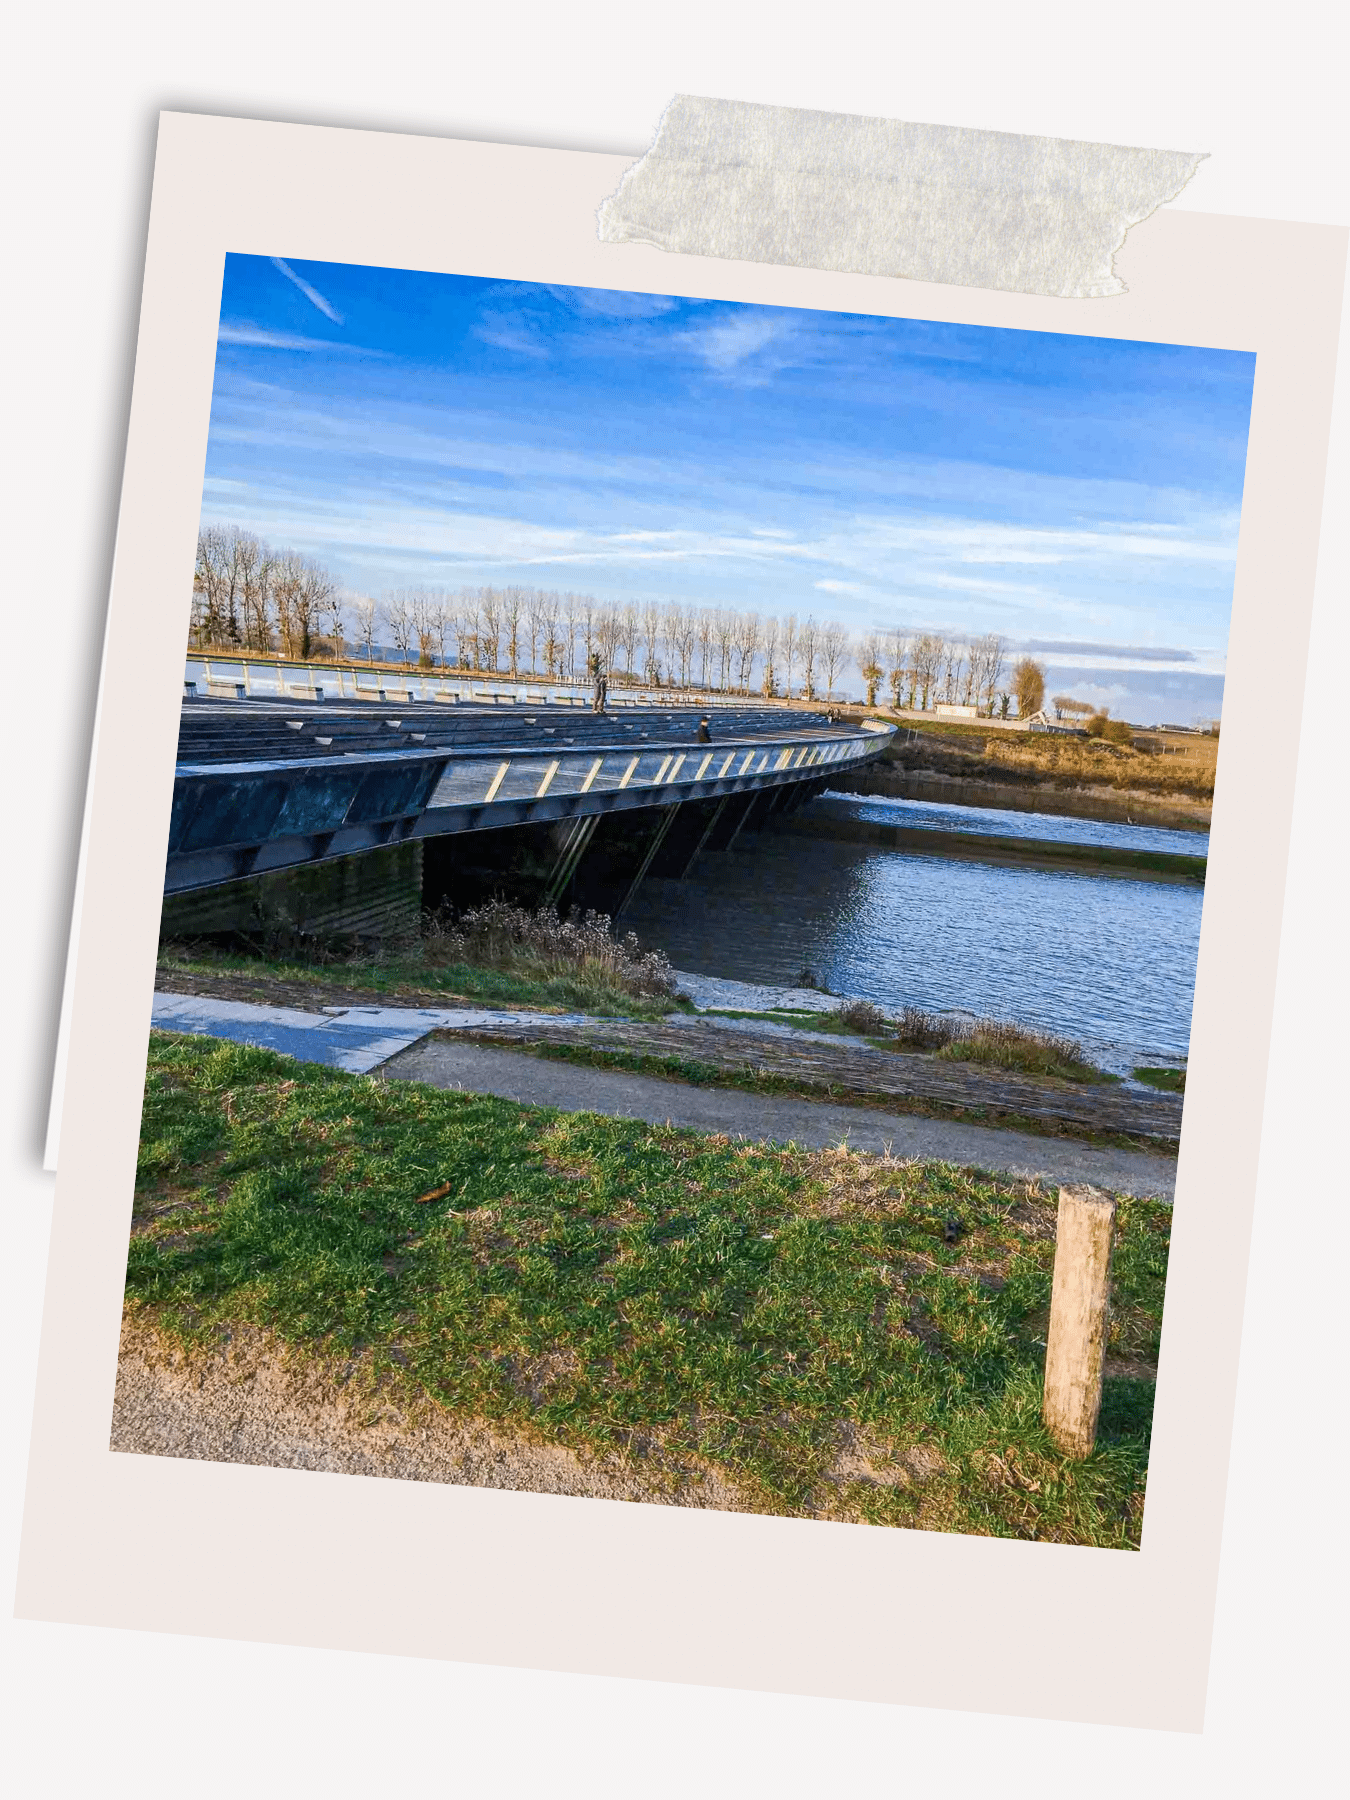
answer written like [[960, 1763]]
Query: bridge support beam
[[658, 838], [570, 852]]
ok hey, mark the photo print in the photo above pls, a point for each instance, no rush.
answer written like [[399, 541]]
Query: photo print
[[689, 838]]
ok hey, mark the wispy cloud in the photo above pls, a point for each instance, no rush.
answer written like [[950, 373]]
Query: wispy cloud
[[605, 303], [261, 337], [506, 332], [1143, 653], [741, 339], [311, 294]]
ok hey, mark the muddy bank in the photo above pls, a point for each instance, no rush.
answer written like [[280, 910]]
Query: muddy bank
[[1115, 805]]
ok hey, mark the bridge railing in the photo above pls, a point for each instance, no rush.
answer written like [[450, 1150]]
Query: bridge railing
[[269, 678]]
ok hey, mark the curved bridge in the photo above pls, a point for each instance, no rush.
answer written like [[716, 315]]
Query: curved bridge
[[258, 788]]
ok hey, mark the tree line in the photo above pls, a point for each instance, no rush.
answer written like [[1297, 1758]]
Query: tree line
[[249, 596]]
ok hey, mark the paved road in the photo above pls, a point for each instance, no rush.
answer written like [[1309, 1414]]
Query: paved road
[[512, 1075]]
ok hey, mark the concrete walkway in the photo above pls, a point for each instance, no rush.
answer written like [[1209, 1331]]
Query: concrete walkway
[[355, 1038], [396, 1039]]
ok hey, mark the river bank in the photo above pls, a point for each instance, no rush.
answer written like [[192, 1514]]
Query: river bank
[[1122, 806], [1010, 852]]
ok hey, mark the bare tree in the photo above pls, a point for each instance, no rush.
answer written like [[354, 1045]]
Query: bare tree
[[552, 641], [513, 609], [769, 641], [216, 584], [953, 661], [251, 567], [707, 629], [834, 654], [791, 651], [442, 620], [898, 663], [629, 627], [364, 609], [424, 628], [490, 628], [651, 641], [335, 620], [398, 614], [870, 653], [724, 636], [681, 637], [534, 624], [608, 635], [928, 655], [745, 639], [994, 657], [1075, 709], [573, 610], [810, 648]]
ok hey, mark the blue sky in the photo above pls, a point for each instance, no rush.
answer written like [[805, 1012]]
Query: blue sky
[[1080, 495]]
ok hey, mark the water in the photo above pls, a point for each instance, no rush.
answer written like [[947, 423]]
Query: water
[[933, 815], [1105, 960]]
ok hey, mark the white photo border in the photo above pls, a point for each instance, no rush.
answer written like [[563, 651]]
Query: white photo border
[[610, 1587]]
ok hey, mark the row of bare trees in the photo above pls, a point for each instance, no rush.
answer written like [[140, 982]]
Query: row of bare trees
[[516, 630], [246, 594], [249, 596]]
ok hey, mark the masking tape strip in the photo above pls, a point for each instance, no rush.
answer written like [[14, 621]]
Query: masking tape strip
[[819, 190]]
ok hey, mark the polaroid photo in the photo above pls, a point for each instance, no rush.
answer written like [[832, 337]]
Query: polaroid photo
[[680, 907]]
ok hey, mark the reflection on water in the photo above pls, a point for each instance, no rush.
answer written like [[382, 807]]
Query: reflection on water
[[933, 815], [1109, 961]]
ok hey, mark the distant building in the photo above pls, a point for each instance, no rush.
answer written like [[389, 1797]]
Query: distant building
[[952, 709]]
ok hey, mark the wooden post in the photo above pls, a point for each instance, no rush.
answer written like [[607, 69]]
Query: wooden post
[[1079, 1302]]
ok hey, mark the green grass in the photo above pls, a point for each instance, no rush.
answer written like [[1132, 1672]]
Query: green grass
[[1171, 1081], [410, 976], [605, 1285]]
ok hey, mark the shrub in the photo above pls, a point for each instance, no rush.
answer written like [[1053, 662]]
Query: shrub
[[861, 1016], [996, 1042], [501, 936]]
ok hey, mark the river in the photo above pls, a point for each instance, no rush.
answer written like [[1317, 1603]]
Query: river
[[1105, 960]]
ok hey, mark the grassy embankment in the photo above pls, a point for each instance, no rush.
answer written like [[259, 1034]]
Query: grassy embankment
[[983, 754], [795, 1320], [497, 955]]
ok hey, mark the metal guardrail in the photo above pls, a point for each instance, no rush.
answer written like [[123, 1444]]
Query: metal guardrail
[[271, 678], [236, 819]]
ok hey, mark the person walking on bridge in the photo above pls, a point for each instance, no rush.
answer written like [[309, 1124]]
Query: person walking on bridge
[[704, 735], [597, 667]]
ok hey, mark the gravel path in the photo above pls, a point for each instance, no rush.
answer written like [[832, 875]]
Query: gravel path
[[451, 1063]]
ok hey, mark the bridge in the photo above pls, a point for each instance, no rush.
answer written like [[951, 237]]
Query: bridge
[[266, 785]]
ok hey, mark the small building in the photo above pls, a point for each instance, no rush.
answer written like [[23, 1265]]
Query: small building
[[952, 709]]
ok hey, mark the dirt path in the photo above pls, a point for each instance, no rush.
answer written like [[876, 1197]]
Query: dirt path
[[451, 1062], [251, 1401]]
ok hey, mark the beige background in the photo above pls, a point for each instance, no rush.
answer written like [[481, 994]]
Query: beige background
[[589, 1585]]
